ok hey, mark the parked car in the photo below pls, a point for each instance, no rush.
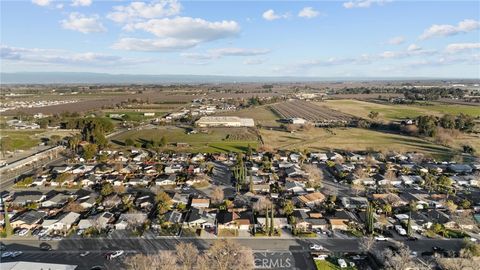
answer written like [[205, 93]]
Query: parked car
[[113, 255], [342, 263], [381, 238], [316, 247], [320, 257], [6, 254], [23, 232], [45, 246], [16, 254], [85, 253]]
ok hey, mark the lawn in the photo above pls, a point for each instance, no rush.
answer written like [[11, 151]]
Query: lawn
[[262, 115], [215, 140], [391, 112], [352, 139], [26, 139], [329, 264]]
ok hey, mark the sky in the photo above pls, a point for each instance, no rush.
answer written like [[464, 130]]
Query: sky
[[350, 38]]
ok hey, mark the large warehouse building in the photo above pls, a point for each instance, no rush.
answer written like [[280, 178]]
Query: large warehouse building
[[225, 121]]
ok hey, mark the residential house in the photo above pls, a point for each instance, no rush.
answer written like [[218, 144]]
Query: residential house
[[26, 197], [310, 199], [200, 203], [127, 220], [28, 220], [56, 201], [63, 223], [166, 180], [200, 218]]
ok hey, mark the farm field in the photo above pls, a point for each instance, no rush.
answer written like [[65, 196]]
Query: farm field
[[352, 139], [137, 114], [216, 140], [397, 112], [25, 139], [262, 115], [310, 111]]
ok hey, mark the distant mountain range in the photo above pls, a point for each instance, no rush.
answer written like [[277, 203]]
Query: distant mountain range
[[105, 78]]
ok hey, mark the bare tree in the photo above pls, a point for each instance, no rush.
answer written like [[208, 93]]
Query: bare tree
[[399, 260], [203, 263], [390, 175], [164, 260], [217, 195], [138, 262], [187, 255], [262, 204], [367, 244], [358, 188], [315, 174], [360, 172], [74, 207], [226, 254]]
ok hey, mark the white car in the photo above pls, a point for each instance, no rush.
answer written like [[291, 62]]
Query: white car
[[321, 257], [342, 263], [83, 254], [116, 254], [381, 238], [6, 254], [16, 254], [316, 247], [23, 232]]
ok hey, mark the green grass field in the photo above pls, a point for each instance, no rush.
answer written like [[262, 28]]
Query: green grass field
[[25, 139], [328, 265], [390, 112], [216, 140], [22, 139], [262, 115], [352, 139]]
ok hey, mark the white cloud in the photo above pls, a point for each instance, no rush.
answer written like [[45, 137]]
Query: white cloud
[[42, 3], [413, 47], [81, 3], [437, 30], [270, 15], [396, 40], [142, 10], [308, 12], [254, 61], [177, 33], [363, 3], [81, 23], [62, 57], [166, 44], [459, 47], [221, 52], [187, 28]]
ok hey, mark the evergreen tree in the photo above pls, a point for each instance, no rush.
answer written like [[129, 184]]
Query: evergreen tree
[[251, 183], [271, 221], [409, 225], [6, 221], [266, 219], [369, 219]]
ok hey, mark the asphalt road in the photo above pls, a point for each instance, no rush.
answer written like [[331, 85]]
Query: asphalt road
[[269, 253]]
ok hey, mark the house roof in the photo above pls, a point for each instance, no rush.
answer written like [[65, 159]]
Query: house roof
[[31, 217], [226, 217], [312, 197]]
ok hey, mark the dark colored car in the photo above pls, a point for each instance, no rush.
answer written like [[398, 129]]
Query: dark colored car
[[45, 246]]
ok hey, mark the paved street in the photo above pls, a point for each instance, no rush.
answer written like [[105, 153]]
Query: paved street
[[280, 252]]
